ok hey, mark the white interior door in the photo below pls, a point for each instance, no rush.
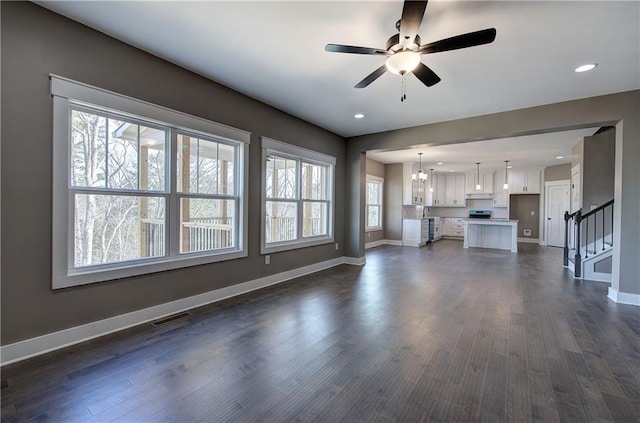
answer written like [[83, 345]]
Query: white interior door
[[557, 198]]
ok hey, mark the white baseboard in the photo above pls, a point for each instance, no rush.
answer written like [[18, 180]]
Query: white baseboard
[[382, 242], [53, 341], [529, 240], [624, 297], [355, 261]]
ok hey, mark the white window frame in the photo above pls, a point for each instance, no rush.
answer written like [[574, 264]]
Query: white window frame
[[380, 181], [279, 148], [67, 93]]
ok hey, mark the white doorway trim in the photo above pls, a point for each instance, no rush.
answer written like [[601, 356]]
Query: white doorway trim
[[554, 217], [576, 189]]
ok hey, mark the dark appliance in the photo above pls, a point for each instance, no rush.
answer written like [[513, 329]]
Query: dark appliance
[[480, 214]]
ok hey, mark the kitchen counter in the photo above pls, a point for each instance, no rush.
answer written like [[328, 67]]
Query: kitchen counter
[[491, 233], [417, 232]]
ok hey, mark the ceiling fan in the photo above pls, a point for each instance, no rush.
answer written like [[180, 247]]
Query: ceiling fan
[[403, 49]]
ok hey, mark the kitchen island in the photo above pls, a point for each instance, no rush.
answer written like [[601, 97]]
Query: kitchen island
[[491, 233]]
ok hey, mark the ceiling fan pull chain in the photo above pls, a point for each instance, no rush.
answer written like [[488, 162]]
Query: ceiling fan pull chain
[[403, 87]]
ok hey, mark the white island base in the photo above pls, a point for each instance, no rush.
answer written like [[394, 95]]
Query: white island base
[[491, 233]]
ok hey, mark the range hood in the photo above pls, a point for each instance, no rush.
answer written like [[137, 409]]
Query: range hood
[[480, 196]]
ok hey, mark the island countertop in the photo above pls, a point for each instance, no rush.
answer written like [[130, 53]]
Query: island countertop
[[497, 221]]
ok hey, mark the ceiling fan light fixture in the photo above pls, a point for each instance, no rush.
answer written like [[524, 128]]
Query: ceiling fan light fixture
[[402, 62]]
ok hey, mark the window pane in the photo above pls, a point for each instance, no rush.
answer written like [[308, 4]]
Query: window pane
[[281, 221], [314, 182], [281, 177], [314, 221], [88, 151], [116, 228], [373, 193], [226, 156], [373, 216], [204, 166], [123, 155], [153, 142], [206, 224]]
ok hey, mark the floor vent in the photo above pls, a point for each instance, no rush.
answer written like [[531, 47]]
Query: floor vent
[[171, 318]]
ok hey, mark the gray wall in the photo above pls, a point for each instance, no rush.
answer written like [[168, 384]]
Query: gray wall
[[520, 208], [621, 110], [36, 42], [376, 168], [393, 202], [598, 171], [557, 173]]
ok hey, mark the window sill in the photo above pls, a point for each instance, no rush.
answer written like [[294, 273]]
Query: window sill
[[376, 229], [294, 245], [79, 277]]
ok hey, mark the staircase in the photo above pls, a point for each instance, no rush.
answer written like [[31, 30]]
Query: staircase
[[588, 243]]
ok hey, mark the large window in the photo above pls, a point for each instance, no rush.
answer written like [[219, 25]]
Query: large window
[[374, 203], [136, 192], [297, 197]]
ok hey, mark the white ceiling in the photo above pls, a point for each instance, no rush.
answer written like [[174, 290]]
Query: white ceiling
[[274, 51], [522, 152]]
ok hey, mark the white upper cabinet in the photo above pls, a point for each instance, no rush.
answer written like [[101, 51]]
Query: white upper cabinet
[[524, 181], [448, 190], [413, 192], [486, 183]]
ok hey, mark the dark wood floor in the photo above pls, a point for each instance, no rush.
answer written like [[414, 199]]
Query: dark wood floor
[[436, 334]]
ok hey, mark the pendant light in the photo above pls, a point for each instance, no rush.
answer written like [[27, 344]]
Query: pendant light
[[478, 186], [420, 176], [431, 186], [506, 169]]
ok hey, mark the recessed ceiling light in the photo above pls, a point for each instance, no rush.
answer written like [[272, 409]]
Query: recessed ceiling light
[[451, 170], [358, 116], [440, 163], [509, 167], [559, 157], [587, 67]]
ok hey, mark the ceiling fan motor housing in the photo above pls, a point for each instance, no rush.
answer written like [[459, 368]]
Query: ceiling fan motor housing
[[393, 43]]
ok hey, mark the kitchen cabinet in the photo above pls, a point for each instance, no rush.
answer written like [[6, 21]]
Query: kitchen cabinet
[[448, 190], [415, 232], [486, 183], [524, 181], [453, 227], [500, 194], [413, 192]]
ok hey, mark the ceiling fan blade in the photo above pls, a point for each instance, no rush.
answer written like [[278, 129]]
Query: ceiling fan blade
[[426, 75], [372, 77], [339, 48], [412, 14], [470, 39]]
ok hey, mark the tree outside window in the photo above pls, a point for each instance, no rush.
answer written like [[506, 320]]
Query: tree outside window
[[374, 203], [138, 188], [297, 193]]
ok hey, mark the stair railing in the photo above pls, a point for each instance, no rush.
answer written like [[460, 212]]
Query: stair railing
[[581, 226]]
